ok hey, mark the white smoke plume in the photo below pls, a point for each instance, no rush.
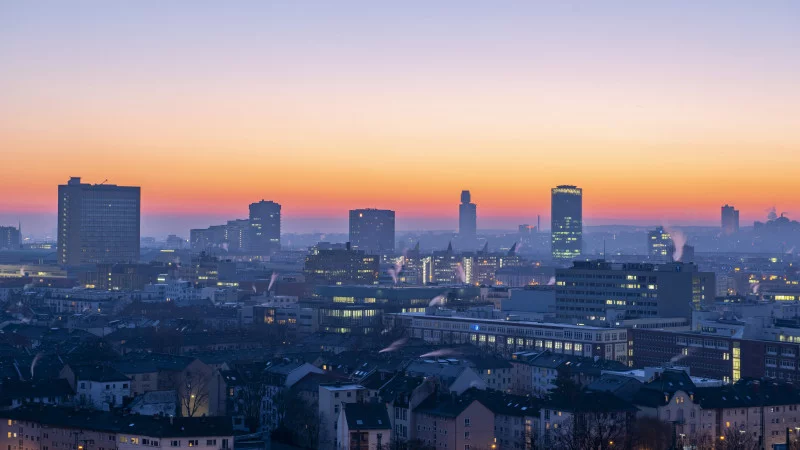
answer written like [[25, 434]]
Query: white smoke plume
[[438, 300], [272, 279], [791, 250], [35, 361], [755, 287], [552, 281], [439, 353], [460, 274], [394, 272], [394, 346], [678, 241], [225, 246], [22, 271]]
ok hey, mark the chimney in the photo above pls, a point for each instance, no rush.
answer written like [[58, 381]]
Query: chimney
[[171, 420]]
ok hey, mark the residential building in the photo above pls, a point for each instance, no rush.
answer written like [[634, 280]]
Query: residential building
[[47, 427], [659, 245], [444, 421], [97, 386], [332, 398], [364, 426]]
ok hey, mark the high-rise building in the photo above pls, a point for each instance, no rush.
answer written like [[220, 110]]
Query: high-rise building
[[659, 245], [467, 216], [730, 220], [372, 230], [265, 227], [10, 238], [566, 222], [98, 223]]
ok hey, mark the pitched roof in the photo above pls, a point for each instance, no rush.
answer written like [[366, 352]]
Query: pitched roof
[[445, 405], [105, 421], [367, 416], [97, 372], [35, 389]]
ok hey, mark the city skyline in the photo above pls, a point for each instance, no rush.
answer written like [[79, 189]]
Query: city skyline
[[664, 130]]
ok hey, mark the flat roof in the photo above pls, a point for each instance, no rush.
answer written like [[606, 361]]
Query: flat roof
[[506, 322]]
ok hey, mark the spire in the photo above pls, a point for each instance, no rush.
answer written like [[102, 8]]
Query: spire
[[416, 247], [450, 247], [513, 250], [485, 248]]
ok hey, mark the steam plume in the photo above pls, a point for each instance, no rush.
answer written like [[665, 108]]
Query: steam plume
[[272, 279], [394, 346], [438, 300], [35, 361], [678, 241], [460, 274], [438, 353]]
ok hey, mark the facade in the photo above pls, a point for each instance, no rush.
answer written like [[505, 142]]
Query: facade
[[372, 230], [603, 291], [506, 337], [99, 387], [467, 216], [265, 227], [730, 220], [341, 266], [447, 423], [566, 227], [98, 223], [659, 245], [332, 399], [364, 426], [10, 238], [719, 356], [45, 428]]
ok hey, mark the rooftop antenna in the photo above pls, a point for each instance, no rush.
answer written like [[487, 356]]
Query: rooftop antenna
[[103, 182]]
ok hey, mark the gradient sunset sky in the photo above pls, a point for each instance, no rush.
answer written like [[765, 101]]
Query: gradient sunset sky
[[661, 110]]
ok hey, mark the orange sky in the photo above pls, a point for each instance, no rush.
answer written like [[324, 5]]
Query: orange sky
[[662, 121]]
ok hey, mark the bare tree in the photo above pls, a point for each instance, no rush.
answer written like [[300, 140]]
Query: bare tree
[[249, 398], [733, 439], [300, 418], [591, 431], [193, 390], [653, 434]]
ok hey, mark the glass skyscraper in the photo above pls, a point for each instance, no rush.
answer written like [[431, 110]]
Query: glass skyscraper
[[566, 222]]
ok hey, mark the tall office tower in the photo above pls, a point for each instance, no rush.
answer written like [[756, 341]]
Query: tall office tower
[[10, 238], [566, 222], [265, 227], [659, 245], [98, 223], [467, 216], [730, 220], [372, 230]]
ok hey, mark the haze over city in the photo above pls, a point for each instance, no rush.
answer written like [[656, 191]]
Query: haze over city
[[416, 225], [661, 111]]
